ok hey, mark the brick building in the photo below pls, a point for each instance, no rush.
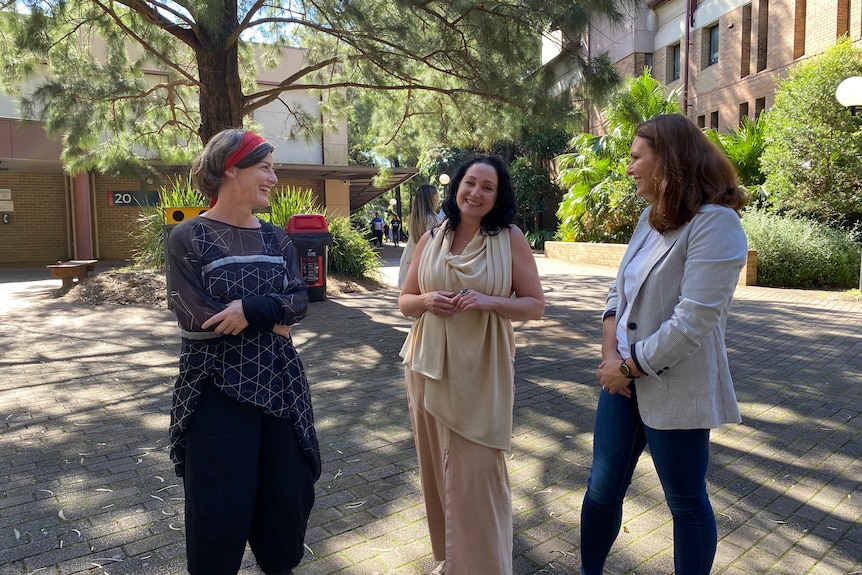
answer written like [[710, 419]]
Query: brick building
[[737, 49], [48, 215]]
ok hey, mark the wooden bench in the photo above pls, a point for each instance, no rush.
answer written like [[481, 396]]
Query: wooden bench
[[71, 271]]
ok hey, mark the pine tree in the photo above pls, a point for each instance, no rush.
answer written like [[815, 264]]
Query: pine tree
[[78, 65]]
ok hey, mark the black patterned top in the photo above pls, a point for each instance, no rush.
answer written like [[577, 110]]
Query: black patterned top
[[210, 264]]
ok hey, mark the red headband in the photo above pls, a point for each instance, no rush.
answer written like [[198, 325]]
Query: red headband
[[250, 141]]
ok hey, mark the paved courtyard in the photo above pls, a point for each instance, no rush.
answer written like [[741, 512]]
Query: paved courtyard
[[86, 486]]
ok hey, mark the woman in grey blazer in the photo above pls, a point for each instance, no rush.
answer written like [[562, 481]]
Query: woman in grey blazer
[[664, 372]]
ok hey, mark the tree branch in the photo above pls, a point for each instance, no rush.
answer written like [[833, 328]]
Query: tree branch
[[181, 34], [245, 24]]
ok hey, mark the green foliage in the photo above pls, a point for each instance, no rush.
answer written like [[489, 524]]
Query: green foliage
[[538, 238], [813, 156], [533, 188], [599, 204], [82, 93], [349, 254], [463, 71], [744, 147], [636, 101], [148, 236], [799, 253], [181, 192], [436, 161], [536, 192], [285, 202], [149, 240], [540, 144]]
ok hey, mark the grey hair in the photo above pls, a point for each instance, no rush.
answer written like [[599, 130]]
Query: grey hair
[[208, 168]]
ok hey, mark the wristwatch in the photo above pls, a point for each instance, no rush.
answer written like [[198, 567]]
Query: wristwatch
[[627, 371]]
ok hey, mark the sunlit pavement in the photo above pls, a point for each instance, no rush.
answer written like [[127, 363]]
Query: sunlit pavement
[[86, 485]]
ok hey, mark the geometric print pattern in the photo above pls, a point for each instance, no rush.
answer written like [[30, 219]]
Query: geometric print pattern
[[210, 264]]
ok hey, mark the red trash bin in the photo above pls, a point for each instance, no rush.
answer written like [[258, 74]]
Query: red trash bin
[[310, 235]]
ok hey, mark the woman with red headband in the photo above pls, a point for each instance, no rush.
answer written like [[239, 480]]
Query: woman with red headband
[[242, 429]]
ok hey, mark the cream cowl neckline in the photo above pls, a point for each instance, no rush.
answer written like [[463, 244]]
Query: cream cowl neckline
[[468, 359]]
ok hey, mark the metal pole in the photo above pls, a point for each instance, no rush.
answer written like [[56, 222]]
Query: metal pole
[[688, 21]]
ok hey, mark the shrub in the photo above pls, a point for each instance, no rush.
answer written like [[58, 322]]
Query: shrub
[[813, 154], [600, 204], [800, 253], [149, 235], [286, 202], [538, 238], [350, 253], [744, 146]]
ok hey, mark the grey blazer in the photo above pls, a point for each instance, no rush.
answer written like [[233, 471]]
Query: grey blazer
[[677, 320]]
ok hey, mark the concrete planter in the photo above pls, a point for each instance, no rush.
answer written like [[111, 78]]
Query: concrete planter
[[610, 255]]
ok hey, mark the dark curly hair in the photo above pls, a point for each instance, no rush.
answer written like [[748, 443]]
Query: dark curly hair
[[502, 215]]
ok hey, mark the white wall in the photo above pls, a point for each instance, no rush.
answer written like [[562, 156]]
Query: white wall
[[278, 124], [279, 128]]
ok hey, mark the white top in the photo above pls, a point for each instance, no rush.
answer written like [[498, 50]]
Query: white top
[[630, 275]]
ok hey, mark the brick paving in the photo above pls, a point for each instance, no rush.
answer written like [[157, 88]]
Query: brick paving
[[86, 486]]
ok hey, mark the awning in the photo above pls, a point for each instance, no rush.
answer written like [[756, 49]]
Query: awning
[[362, 189]]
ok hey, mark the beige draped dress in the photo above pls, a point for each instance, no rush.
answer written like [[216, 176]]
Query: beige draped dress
[[460, 386], [469, 357]]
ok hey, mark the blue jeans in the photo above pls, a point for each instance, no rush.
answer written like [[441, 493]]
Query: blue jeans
[[681, 457]]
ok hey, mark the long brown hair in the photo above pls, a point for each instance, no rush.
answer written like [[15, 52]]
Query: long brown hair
[[690, 171], [423, 213]]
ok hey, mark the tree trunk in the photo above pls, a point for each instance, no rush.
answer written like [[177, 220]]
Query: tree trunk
[[396, 164], [221, 95]]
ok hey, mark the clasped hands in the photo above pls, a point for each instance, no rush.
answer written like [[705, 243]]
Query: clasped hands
[[448, 303], [611, 379], [231, 321]]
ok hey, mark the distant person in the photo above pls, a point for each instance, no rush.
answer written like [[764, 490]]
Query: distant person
[[423, 217], [664, 371], [377, 229], [396, 229], [242, 430], [468, 281]]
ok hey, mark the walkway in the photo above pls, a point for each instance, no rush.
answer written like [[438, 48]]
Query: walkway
[[86, 486]]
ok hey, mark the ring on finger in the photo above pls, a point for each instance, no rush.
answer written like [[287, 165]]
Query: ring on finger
[[463, 291]]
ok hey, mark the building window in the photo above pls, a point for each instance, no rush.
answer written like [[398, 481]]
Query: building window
[[843, 18], [743, 111], [710, 41], [713, 120], [648, 60], [745, 48], [799, 29], [673, 63], [701, 121], [762, 33], [759, 106]]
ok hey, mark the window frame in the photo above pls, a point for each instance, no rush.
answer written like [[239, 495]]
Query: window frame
[[714, 44]]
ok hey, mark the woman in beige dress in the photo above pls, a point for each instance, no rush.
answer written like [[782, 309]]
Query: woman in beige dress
[[468, 280]]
